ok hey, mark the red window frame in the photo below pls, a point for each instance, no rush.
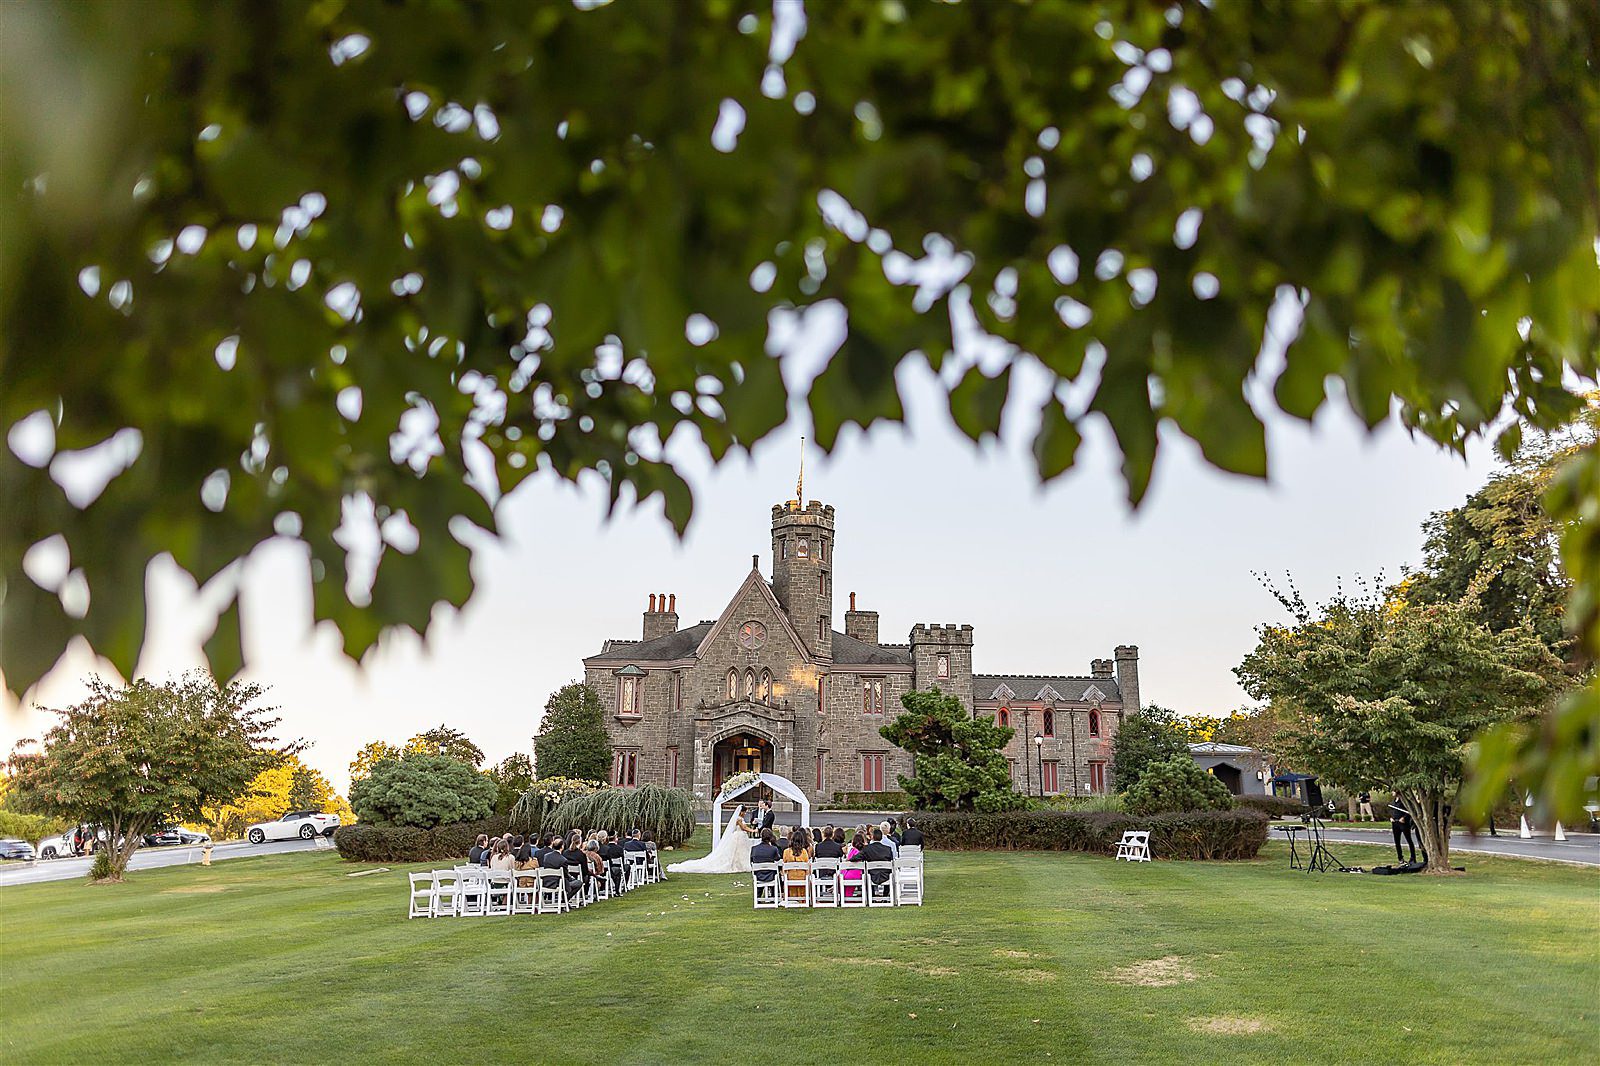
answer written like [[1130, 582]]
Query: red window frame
[[672, 767], [872, 695], [1003, 718], [1097, 776], [822, 770], [1094, 723], [1050, 776], [872, 773], [625, 769], [1049, 722]]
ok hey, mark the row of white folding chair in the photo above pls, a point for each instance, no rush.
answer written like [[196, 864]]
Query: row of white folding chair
[[475, 891], [824, 884]]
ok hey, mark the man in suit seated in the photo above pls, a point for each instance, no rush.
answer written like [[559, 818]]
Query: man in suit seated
[[552, 859], [766, 851], [610, 849], [912, 836], [877, 851], [635, 847], [832, 845], [475, 854]]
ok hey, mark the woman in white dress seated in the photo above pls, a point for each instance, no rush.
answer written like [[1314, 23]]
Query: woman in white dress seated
[[730, 856]]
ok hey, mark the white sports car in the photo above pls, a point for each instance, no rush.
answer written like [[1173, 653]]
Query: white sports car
[[302, 824]]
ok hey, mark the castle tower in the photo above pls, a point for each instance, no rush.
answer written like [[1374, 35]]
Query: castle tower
[[802, 571], [1128, 677], [941, 658]]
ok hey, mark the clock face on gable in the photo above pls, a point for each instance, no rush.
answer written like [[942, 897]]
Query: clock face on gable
[[752, 635]]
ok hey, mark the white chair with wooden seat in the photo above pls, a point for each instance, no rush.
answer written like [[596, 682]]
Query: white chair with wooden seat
[[552, 894], [498, 897], [880, 893], [525, 892], [824, 882], [1134, 845], [797, 890], [446, 893], [421, 896], [908, 878], [765, 893]]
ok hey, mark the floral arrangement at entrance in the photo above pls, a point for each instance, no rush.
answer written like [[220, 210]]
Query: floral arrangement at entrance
[[739, 782]]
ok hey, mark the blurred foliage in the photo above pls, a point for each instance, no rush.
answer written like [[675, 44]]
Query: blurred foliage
[[289, 786], [241, 244], [294, 268], [371, 754]]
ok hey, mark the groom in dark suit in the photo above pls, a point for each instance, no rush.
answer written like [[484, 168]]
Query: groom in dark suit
[[763, 818]]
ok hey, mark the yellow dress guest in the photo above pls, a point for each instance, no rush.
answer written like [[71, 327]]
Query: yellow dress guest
[[796, 888]]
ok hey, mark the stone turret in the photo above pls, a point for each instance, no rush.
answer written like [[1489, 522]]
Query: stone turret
[[802, 571], [1101, 668], [941, 658], [1128, 677], [863, 625]]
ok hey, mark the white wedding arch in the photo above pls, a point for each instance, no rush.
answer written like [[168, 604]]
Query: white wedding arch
[[781, 785]]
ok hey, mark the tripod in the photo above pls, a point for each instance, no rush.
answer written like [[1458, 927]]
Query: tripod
[[1322, 860]]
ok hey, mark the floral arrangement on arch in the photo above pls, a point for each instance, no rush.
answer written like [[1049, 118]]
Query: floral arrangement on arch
[[739, 782]]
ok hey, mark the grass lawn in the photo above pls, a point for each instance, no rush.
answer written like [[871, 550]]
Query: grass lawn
[[1017, 956]]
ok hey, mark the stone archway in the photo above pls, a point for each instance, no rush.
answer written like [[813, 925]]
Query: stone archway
[[770, 730], [740, 752]]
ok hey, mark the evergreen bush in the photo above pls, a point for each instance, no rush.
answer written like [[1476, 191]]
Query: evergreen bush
[[422, 791], [1177, 784], [390, 843]]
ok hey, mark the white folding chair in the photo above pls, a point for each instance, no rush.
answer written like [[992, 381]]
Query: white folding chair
[[421, 896], [852, 891], [638, 863], [617, 875], [765, 893], [498, 895], [600, 884], [473, 901], [446, 893], [525, 892], [789, 897], [552, 896], [825, 882], [1134, 845], [655, 870], [880, 893], [908, 878]]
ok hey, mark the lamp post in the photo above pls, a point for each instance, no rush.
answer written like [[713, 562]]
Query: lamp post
[[1038, 746]]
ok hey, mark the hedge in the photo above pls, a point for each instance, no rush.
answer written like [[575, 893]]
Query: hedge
[[1272, 806], [1227, 835], [397, 843], [869, 801]]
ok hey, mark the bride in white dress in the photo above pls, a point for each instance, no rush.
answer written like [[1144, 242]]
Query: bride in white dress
[[730, 856]]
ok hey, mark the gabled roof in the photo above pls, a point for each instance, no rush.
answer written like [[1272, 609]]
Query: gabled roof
[[848, 651], [1212, 747], [1032, 686], [754, 578], [664, 648]]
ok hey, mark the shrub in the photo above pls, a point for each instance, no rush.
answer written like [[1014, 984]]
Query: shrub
[[1177, 784], [1001, 800], [956, 759], [1208, 835], [668, 813], [391, 843], [100, 868], [543, 796], [1109, 802], [1144, 738], [1272, 806], [422, 791], [870, 801]]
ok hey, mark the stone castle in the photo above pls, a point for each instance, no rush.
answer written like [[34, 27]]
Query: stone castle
[[770, 685]]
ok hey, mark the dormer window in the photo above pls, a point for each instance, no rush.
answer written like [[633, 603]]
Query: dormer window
[[630, 692]]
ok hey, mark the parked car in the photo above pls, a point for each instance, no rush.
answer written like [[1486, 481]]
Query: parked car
[[11, 848], [61, 847], [174, 834], [302, 824]]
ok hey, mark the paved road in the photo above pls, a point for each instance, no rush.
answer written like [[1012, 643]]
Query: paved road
[[1581, 848], [22, 873]]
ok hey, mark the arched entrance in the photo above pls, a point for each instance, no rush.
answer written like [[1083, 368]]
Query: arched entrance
[[737, 754], [1230, 776]]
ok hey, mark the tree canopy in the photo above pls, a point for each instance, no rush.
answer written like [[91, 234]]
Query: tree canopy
[[1150, 735], [572, 740], [371, 754], [1378, 692], [290, 270], [443, 740], [136, 757], [422, 790]]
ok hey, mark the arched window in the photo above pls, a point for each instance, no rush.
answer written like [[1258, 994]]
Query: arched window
[[804, 550], [766, 686], [750, 684], [733, 684], [1049, 722], [1094, 723], [1004, 717]]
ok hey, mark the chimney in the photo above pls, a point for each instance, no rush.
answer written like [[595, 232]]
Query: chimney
[[1101, 668], [661, 619], [863, 625], [1128, 677]]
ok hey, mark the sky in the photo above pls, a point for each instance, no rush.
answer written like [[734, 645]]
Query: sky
[[930, 529]]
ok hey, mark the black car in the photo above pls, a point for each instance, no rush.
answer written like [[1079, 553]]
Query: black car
[[173, 834], [16, 849]]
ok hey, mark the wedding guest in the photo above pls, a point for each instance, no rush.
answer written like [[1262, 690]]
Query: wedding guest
[[479, 846], [831, 845], [609, 850], [799, 850], [577, 861], [591, 852], [877, 851], [893, 832], [912, 836], [635, 841], [816, 837], [501, 858], [766, 851], [881, 834]]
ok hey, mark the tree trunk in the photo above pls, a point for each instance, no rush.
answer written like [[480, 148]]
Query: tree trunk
[[1432, 814]]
